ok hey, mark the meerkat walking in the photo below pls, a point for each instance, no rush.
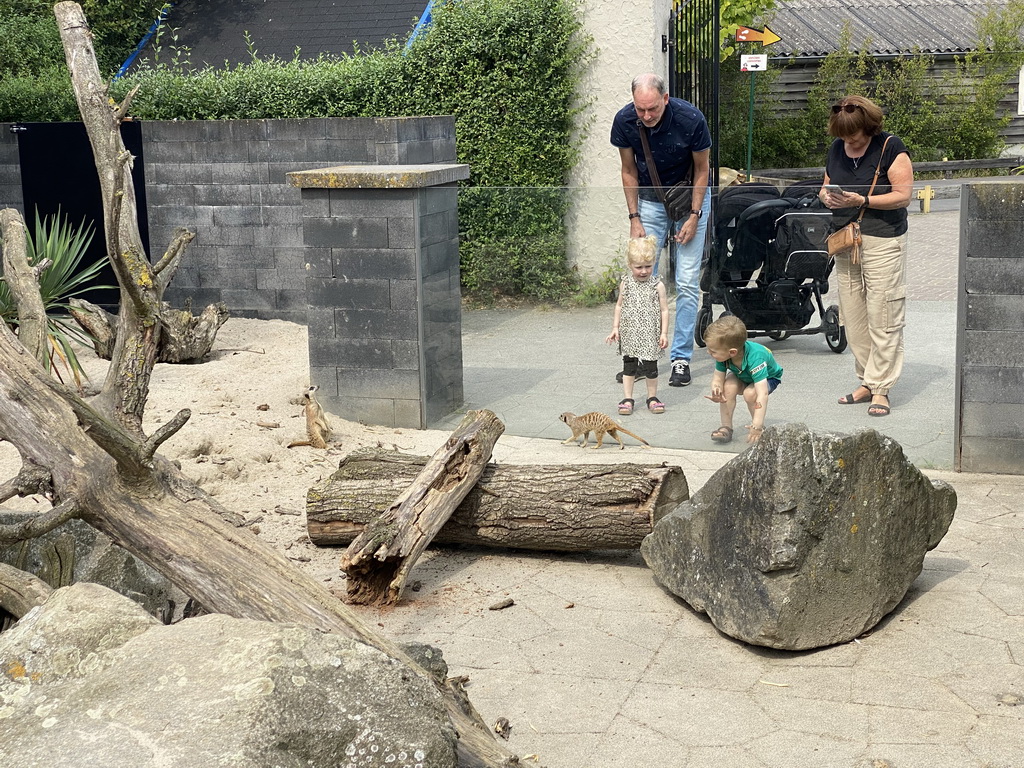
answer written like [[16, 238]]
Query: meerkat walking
[[597, 423], [318, 429]]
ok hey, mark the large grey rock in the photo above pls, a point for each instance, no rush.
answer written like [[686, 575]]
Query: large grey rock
[[77, 552], [89, 679], [805, 540]]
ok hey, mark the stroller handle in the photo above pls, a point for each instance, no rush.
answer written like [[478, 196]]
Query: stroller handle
[[765, 205]]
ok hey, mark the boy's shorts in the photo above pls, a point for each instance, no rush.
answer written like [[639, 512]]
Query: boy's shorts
[[773, 384], [632, 366]]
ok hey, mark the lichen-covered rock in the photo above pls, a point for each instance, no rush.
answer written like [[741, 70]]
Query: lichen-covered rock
[[77, 552], [805, 540], [208, 691]]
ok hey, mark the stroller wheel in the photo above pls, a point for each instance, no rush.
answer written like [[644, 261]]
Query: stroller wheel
[[778, 335], [703, 321], [835, 334]]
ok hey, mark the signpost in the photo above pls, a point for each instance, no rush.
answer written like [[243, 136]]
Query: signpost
[[753, 63]]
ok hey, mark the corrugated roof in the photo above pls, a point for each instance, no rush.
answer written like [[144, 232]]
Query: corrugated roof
[[878, 27], [214, 30]]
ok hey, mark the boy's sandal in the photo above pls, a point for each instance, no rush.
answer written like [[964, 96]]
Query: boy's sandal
[[655, 405], [879, 409], [722, 435], [626, 406]]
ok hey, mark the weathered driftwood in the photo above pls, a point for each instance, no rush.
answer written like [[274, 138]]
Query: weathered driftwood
[[23, 284], [378, 562], [20, 592], [544, 507], [93, 460], [184, 337]]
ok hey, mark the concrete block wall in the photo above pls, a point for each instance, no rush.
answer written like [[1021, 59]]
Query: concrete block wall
[[990, 330], [385, 318], [226, 180]]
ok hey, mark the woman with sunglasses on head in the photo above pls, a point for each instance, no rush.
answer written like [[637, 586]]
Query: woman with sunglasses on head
[[872, 293]]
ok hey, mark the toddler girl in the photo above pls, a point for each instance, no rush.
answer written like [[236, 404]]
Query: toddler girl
[[640, 324]]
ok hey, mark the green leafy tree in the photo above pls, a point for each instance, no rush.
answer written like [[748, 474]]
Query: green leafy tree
[[733, 14], [30, 43], [907, 93], [971, 120]]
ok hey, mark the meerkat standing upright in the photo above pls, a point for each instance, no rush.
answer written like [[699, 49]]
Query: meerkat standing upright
[[318, 429]]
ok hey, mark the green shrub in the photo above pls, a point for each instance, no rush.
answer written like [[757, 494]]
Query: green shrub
[[54, 239], [30, 42], [956, 117], [508, 70]]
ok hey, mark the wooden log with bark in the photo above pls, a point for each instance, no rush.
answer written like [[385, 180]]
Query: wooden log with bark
[[91, 459], [555, 507], [378, 561]]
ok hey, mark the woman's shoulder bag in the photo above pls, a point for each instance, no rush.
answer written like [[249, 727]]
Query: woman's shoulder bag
[[847, 241]]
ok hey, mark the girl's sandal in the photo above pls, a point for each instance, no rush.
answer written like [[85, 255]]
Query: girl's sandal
[[626, 407], [654, 405], [722, 435]]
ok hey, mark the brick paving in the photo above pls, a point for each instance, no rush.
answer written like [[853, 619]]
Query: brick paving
[[933, 255]]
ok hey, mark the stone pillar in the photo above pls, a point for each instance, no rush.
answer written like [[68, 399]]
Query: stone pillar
[[385, 313], [989, 420]]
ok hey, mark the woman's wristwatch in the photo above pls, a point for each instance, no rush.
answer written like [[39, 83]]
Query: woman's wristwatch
[[698, 213], [634, 215]]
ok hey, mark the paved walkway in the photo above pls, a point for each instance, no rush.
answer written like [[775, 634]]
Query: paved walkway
[[530, 365], [596, 666]]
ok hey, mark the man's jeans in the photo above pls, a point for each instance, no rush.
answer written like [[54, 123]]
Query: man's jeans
[[687, 260]]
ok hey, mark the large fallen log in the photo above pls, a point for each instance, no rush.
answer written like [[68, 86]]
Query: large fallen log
[[542, 507], [378, 562]]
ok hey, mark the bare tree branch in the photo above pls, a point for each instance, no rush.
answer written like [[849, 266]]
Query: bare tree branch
[[166, 431], [37, 525], [122, 109], [30, 480], [23, 283], [126, 386], [172, 256]]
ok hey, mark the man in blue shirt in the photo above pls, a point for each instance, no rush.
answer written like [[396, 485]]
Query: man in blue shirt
[[680, 140]]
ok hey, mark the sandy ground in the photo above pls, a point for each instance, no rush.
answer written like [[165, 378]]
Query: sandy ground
[[245, 399]]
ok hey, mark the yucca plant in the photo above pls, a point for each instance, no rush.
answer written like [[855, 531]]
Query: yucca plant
[[65, 246]]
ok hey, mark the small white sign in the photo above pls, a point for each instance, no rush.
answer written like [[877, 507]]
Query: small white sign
[[753, 62]]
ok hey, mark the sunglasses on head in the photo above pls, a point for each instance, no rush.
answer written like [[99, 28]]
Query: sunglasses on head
[[837, 108]]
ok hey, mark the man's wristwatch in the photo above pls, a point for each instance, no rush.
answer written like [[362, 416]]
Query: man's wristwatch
[[634, 215], [698, 213]]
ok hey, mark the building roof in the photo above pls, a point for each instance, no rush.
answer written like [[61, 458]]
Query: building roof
[[215, 30], [878, 27]]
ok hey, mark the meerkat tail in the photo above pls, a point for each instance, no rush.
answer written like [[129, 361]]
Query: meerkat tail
[[634, 436]]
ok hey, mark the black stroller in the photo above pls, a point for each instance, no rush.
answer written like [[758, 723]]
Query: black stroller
[[768, 263]]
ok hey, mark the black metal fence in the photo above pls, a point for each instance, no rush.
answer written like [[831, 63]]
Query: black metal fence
[[694, 48]]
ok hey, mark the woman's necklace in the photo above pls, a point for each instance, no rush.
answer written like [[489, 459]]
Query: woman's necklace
[[856, 162]]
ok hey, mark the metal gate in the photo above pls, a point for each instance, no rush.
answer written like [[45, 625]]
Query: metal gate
[[693, 51], [58, 174]]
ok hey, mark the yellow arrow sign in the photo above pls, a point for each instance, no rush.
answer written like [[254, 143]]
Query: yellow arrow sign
[[748, 35]]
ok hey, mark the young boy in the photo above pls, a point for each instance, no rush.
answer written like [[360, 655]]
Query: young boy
[[640, 324], [740, 366]]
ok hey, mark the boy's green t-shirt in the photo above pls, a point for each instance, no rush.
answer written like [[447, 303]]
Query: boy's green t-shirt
[[758, 364]]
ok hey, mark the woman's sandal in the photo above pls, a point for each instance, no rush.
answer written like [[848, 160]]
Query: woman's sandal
[[879, 409], [626, 407], [722, 435], [655, 405], [851, 400]]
